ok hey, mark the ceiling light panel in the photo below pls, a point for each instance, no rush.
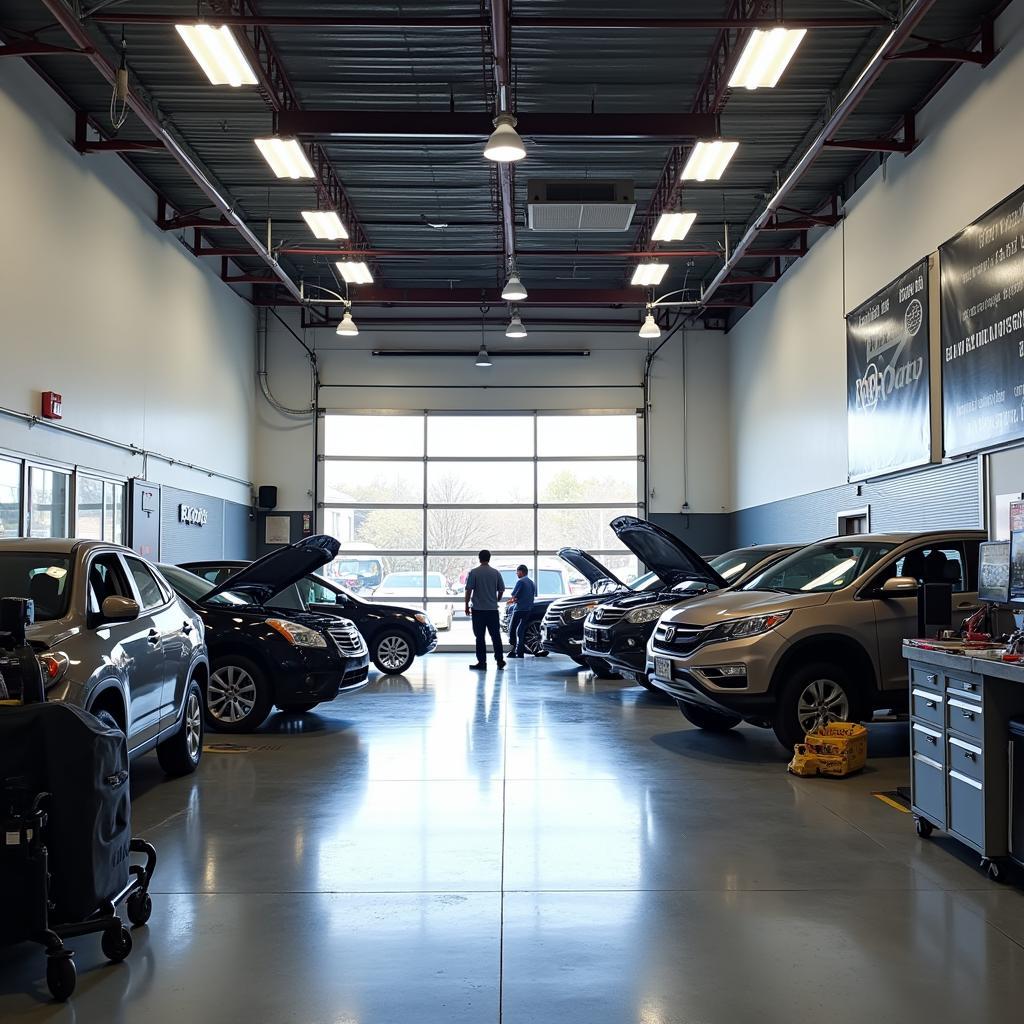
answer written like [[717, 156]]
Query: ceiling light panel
[[218, 54], [354, 272], [709, 160], [765, 57], [325, 224], [648, 274], [673, 227], [286, 157]]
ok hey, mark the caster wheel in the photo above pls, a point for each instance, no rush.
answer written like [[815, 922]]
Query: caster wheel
[[139, 907], [995, 872], [116, 944], [924, 828], [61, 976]]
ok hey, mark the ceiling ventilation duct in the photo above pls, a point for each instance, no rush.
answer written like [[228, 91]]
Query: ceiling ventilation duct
[[580, 205]]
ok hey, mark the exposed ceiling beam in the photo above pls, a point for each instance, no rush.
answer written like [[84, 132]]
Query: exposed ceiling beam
[[503, 99], [442, 125], [439, 254]]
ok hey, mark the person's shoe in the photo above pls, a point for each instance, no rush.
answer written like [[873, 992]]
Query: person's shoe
[[515, 655], [482, 666], [501, 664]]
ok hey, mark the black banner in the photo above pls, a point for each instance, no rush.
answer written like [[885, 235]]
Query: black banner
[[888, 394], [982, 299]]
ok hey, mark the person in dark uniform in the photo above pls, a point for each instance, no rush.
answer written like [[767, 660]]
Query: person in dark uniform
[[484, 589], [523, 595]]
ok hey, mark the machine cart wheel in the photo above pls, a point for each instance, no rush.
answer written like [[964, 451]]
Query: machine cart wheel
[[924, 827]]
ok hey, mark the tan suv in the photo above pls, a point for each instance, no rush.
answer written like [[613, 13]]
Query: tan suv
[[816, 637]]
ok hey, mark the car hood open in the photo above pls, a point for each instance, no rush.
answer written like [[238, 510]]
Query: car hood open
[[666, 556], [588, 566], [270, 574]]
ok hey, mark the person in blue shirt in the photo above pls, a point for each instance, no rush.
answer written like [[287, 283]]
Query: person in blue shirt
[[523, 595]]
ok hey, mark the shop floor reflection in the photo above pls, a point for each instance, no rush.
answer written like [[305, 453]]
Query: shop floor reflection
[[529, 846]]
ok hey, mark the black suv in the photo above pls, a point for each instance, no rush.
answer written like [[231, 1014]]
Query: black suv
[[396, 636]]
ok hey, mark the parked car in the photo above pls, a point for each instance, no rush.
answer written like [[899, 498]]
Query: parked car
[[115, 640], [551, 579], [262, 658], [410, 584], [815, 638], [395, 636]]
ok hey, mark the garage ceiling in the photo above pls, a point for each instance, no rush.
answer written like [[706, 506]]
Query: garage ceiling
[[582, 61]]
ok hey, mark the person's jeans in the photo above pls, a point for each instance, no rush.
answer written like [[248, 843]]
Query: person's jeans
[[517, 631], [483, 623]]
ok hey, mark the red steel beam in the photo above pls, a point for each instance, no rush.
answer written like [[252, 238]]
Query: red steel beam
[[435, 254], [34, 49]]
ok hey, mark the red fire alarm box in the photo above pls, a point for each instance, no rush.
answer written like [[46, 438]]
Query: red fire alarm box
[[52, 407]]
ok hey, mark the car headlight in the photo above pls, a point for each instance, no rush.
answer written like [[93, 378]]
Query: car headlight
[[581, 611], [737, 629], [300, 636], [648, 614], [423, 619]]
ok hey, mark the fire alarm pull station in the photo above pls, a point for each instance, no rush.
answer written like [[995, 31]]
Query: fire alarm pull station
[[53, 408]]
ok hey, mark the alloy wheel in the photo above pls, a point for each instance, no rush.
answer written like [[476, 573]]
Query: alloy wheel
[[531, 639], [822, 701], [231, 694], [193, 726], [393, 652]]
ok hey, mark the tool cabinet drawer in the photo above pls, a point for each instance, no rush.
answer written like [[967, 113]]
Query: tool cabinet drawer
[[926, 678], [929, 789], [966, 758], [969, 685], [965, 716], [967, 807], [927, 705], [927, 741]]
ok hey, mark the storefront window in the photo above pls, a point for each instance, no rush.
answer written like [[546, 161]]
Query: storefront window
[[99, 509], [10, 498], [48, 502]]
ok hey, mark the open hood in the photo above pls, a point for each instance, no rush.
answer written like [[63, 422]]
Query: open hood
[[270, 574], [666, 556], [588, 566]]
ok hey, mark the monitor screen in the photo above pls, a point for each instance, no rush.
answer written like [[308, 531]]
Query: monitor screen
[[994, 572], [1017, 567]]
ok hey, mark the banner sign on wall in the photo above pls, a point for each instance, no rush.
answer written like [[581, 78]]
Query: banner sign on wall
[[888, 395], [982, 301]]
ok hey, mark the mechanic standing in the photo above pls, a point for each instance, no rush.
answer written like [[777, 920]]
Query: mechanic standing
[[523, 594], [484, 589]]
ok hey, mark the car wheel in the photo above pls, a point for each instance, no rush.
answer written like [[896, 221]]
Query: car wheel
[[531, 640], [181, 753], [299, 708], [707, 719], [601, 668], [237, 695], [814, 695], [393, 652]]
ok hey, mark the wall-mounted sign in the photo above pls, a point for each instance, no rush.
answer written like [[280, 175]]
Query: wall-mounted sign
[[192, 515], [52, 406], [887, 371], [982, 300]]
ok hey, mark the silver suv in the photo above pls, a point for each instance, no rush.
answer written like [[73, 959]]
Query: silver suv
[[114, 639], [815, 638]]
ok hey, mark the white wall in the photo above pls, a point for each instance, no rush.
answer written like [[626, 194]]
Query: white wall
[[145, 344], [787, 355]]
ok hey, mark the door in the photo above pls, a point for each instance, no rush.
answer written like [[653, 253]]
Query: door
[[134, 647]]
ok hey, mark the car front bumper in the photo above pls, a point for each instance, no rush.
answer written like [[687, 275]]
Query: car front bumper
[[563, 638], [623, 646]]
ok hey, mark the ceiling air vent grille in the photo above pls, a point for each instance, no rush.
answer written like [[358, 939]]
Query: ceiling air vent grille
[[580, 205]]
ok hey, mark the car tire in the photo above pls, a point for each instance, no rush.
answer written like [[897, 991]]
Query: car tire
[[707, 719], [181, 753], [299, 708], [238, 697], [393, 652], [816, 692], [601, 668], [531, 640]]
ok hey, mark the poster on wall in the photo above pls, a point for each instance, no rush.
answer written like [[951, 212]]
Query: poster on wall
[[981, 274], [887, 375]]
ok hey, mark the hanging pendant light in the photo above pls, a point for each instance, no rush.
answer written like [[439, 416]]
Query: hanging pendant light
[[650, 328], [514, 290], [348, 327], [482, 358], [515, 327], [504, 146]]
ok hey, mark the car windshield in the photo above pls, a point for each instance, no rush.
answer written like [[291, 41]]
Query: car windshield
[[732, 564], [821, 568], [413, 581], [645, 582], [195, 588], [43, 577]]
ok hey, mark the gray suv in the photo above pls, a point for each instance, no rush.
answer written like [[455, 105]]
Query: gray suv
[[815, 638], [114, 639]]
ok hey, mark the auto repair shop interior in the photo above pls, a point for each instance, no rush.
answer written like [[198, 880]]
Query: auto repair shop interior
[[703, 320]]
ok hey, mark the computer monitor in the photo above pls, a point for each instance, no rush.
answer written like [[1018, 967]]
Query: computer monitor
[[1017, 567], [994, 572]]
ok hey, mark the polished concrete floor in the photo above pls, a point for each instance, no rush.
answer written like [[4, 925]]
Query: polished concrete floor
[[534, 846]]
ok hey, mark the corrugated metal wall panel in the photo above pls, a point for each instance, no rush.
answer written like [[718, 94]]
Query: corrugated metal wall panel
[[239, 531], [181, 543]]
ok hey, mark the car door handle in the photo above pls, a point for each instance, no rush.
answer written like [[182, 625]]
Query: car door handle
[[186, 628], [154, 637]]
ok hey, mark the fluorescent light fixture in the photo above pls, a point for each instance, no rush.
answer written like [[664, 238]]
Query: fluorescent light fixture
[[218, 54], [482, 358], [673, 227], [348, 327], [648, 274], [286, 157], [504, 146], [354, 272], [650, 328], [765, 57], [709, 160], [515, 327], [513, 290], [324, 224]]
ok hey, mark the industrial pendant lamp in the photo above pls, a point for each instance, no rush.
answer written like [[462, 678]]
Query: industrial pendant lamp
[[482, 358], [504, 146], [515, 327], [348, 327], [514, 291], [650, 328]]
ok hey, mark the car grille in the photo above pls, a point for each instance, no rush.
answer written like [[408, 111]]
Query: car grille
[[348, 639], [606, 614], [678, 637], [552, 617], [597, 640]]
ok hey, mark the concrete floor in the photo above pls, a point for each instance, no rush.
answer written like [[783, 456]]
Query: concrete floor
[[538, 847]]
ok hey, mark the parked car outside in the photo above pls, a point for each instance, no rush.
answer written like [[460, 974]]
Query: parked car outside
[[261, 658], [410, 584], [815, 638], [114, 639], [395, 635]]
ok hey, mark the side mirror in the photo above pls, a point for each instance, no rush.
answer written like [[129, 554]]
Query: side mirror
[[900, 586], [119, 609]]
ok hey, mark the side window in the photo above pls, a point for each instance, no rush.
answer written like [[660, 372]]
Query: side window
[[943, 563], [215, 575], [106, 579], [288, 598], [315, 593], [151, 594]]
